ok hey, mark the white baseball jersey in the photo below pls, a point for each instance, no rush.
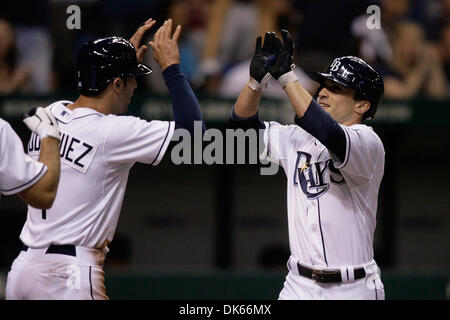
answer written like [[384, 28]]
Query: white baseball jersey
[[331, 204], [17, 170], [97, 151]]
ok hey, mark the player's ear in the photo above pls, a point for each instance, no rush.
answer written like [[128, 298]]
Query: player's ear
[[362, 107], [117, 84]]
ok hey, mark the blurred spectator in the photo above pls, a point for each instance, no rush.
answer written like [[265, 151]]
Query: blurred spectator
[[122, 17], [30, 20], [445, 11], [443, 49], [415, 68], [326, 27], [324, 32], [192, 16], [12, 78], [231, 28], [433, 14], [236, 78], [231, 32], [373, 44]]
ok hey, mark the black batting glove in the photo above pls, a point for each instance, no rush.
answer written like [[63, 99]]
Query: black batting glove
[[284, 61], [264, 56]]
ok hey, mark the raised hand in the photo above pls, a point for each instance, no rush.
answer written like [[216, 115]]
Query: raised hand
[[165, 45], [284, 61], [137, 38], [264, 55]]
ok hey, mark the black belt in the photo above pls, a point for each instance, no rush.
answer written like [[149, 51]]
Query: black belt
[[328, 276], [67, 249]]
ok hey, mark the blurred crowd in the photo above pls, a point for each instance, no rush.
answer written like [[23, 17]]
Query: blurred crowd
[[411, 49]]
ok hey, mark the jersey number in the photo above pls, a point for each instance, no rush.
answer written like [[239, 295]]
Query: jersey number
[[44, 214]]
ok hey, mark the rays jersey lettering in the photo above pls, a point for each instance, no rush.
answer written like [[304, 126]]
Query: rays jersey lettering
[[75, 151], [315, 178]]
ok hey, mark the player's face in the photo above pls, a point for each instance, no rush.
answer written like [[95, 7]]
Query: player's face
[[338, 101], [130, 87], [126, 94]]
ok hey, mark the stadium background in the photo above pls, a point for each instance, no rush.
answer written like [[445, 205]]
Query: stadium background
[[220, 231]]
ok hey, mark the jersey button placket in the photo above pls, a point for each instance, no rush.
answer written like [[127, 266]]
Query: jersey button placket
[[312, 222]]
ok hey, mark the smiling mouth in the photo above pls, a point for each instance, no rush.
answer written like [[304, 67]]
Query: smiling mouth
[[323, 105]]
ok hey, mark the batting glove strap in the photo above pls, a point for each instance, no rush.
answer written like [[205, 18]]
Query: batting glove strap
[[287, 78], [42, 122], [259, 86]]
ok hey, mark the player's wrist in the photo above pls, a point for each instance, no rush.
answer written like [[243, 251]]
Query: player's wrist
[[47, 131], [287, 78], [51, 138], [169, 64], [256, 86]]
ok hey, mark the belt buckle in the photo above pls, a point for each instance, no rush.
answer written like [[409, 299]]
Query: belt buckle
[[317, 275], [321, 275]]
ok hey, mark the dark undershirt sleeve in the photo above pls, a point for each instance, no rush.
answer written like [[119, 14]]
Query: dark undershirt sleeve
[[185, 106], [236, 122], [324, 128]]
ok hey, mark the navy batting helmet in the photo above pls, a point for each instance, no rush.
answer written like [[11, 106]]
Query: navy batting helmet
[[102, 60], [356, 74]]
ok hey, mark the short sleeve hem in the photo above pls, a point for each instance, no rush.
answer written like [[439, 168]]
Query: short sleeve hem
[[338, 164], [27, 184], [165, 144]]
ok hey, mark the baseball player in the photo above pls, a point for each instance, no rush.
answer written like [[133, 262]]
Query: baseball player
[[334, 165], [65, 247], [35, 182]]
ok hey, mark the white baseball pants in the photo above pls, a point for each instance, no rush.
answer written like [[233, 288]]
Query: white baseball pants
[[37, 275], [298, 287]]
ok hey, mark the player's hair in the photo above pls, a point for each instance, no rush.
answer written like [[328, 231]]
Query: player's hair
[[11, 52], [88, 93]]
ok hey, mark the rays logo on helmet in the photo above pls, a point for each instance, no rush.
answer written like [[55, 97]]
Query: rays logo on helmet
[[345, 73], [335, 65]]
